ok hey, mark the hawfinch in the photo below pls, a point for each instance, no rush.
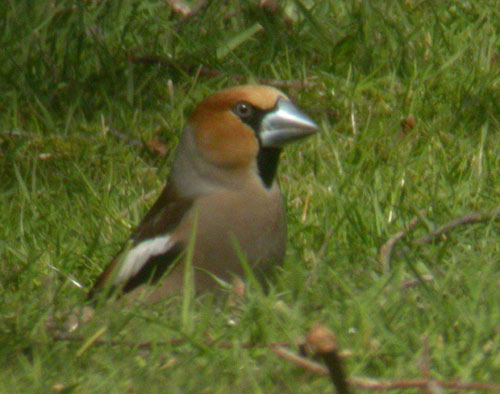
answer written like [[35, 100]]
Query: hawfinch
[[222, 197]]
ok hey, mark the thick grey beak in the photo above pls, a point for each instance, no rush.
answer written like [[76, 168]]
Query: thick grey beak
[[285, 124]]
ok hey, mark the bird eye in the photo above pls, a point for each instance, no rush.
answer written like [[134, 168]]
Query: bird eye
[[243, 110]]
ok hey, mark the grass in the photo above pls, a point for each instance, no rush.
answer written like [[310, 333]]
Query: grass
[[71, 191]]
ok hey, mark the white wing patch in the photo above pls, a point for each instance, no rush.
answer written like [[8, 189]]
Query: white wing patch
[[140, 254]]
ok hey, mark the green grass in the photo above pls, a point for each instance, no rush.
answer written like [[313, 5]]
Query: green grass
[[71, 191]]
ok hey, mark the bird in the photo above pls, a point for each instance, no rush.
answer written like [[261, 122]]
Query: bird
[[221, 203]]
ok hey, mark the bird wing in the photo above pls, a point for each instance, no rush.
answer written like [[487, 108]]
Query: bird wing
[[151, 249]]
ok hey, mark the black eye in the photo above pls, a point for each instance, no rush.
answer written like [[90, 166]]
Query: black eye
[[243, 110]]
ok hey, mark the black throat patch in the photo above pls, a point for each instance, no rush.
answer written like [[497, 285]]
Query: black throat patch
[[267, 158], [267, 163]]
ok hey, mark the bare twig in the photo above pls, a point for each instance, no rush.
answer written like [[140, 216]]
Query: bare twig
[[302, 362], [386, 250], [322, 341], [384, 385], [469, 218]]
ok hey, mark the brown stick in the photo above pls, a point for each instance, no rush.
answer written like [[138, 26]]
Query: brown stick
[[373, 384], [322, 341], [302, 362], [383, 385], [387, 249], [469, 218]]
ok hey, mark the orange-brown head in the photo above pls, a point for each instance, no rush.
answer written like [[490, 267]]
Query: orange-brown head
[[237, 127]]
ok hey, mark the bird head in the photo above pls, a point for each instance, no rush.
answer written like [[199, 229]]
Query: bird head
[[245, 126]]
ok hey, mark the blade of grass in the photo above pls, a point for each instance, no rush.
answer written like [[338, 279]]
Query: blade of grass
[[230, 45], [188, 289]]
